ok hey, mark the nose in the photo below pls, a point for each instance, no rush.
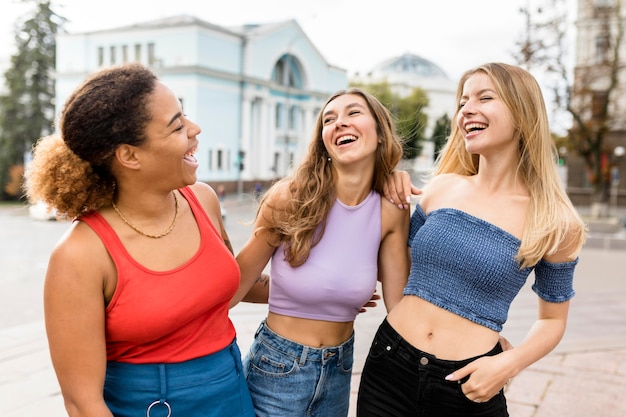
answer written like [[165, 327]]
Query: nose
[[193, 129], [341, 121], [468, 108]]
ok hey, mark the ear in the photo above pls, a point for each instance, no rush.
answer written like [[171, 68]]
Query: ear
[[126, 155]]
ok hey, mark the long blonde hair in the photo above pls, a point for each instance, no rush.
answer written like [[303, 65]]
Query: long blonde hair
[[551, 214], [311, 188]]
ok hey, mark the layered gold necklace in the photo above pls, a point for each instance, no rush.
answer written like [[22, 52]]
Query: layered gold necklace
[[136, 229]]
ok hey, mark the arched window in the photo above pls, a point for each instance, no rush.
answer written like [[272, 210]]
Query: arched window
[[287, 72]]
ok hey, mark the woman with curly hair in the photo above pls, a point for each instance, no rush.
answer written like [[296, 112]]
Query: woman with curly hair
[[494, 211], [330, 237], [137, 291]]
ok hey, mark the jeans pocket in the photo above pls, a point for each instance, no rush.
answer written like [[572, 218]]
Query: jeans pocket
[[347, 363], [273, 363]]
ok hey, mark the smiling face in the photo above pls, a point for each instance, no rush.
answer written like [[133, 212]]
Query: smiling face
[[483, 117], [349, 130], [171, 139]]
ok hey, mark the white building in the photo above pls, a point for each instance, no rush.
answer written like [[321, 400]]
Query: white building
[[254, 90]]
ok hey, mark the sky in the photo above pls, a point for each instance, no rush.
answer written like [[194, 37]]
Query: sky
[[352, 34]]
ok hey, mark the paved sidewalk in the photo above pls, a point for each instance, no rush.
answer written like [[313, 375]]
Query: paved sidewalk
[[584, 377]]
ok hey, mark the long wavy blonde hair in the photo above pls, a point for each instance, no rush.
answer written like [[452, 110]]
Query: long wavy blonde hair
[[311, 188], [551, 214]]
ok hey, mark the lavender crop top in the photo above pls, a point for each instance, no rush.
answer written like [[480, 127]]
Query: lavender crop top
[[467, 265], [340, 275]]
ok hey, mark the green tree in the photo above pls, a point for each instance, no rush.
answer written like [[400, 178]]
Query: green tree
[[27, 109], [407, 112], [591, 93], [441, 131], [412, 121]]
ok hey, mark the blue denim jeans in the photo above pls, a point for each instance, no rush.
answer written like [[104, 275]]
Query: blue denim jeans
[[400, 380], [210, 386], [287, 379]]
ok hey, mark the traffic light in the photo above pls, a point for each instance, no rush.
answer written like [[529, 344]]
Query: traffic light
[[240, 159]]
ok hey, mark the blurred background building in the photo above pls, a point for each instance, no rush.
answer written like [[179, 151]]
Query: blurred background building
[[599, 100], [254, 90]]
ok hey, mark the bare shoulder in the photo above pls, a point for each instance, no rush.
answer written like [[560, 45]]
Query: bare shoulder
[[278, 195], [392, 218], [441, 184], [444, 181], [79, 257], [204, 192]]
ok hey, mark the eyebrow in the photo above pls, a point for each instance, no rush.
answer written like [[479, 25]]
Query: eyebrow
[[483, 91], [349, 106], [176, 116]]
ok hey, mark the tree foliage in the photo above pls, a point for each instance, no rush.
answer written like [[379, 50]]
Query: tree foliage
[[27, 109], [587, 94], [408, 114], [440, 135]]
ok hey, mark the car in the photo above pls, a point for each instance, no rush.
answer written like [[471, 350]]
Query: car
[[41, 211]]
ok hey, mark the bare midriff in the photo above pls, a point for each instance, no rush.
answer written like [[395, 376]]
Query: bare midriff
[[439, 332], [314, 333]]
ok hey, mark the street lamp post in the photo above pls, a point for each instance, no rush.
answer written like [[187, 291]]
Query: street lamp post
[[618, 152]]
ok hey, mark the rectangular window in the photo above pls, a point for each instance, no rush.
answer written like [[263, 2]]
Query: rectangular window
[[112, 57], [278, 119], [151, 57], [220, 160], [292, 117], [598, 104], [210, 160], [277, 168], [137, 52], [100, 56], [124, 53], [603, 43]]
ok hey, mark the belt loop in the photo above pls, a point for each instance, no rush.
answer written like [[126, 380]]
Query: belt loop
[[233, 353], [339, 355], [305, 352], [163, 379], [258, 330]]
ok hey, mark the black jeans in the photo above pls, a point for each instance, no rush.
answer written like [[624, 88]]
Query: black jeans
[[399, 380]]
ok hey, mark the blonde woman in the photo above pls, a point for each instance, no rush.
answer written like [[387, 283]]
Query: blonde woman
[[493, 212]]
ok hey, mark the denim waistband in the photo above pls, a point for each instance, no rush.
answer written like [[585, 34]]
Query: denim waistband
[[303, 352], [176, 373], [387, 334]]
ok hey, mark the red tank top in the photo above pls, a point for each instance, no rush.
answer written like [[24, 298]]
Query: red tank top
[[170, 316]]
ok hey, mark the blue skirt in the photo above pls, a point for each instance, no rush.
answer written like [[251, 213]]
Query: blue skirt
[[210, 386]]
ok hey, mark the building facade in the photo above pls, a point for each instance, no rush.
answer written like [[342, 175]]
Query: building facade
[[599, 97], [254, 90]]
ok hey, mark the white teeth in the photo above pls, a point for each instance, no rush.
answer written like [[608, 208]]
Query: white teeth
[[346, 139], [475, 126], [190, 155]]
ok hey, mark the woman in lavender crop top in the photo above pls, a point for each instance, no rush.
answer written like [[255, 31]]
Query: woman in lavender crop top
[[494, 211], [330, 237]]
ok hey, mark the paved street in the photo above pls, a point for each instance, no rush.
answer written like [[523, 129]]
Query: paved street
[[584, 377]]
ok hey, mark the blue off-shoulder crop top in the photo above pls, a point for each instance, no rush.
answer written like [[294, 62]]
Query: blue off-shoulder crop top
[[467, 266]]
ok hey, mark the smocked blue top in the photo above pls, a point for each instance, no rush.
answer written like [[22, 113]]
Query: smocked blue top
[[467, 266]]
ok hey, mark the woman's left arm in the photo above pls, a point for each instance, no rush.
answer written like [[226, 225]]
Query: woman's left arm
[[490, 373]]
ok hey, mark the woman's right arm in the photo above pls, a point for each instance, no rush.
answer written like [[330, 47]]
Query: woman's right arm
[[74, 310], [256, 253]]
